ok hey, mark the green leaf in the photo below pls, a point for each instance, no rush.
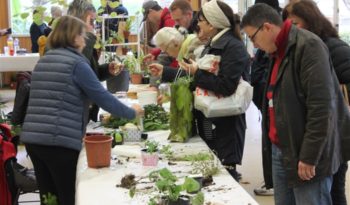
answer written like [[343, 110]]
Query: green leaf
[[47, 19], [166, 174], [114, 14], [24, 15], [37, 18], [114, 4], [191, 185], [103, 3], [99, 19], [198, 199], [100, 11], [132, 191]]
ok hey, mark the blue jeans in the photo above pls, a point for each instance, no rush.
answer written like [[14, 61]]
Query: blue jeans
[[316, 193]]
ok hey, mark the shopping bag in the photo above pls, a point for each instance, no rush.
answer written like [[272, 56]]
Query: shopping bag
[[212, 105]]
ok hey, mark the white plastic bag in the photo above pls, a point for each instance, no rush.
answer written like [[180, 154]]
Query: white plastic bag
[[212, 105]]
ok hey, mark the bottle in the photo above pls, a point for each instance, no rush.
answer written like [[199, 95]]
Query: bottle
[[10, 45], [16, 45]]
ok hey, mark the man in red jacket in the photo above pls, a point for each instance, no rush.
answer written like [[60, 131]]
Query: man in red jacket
[[153, 13]]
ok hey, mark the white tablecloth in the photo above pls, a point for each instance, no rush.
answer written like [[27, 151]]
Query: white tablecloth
[[98, 186], [25, 62]]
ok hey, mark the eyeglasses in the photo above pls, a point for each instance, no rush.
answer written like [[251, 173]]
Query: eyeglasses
[[252, 38]]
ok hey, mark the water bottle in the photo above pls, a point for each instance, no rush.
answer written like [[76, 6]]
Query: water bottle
[[16, 45], [10, 45]]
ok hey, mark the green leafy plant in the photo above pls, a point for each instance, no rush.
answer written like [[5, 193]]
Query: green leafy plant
[[156, 118], [129, 23], [114, 36], [131, 63], [40, 7], [165, 182], [50, 199], [181, 110], [207, 167], [151, 146], [168, 153], [201, 156]]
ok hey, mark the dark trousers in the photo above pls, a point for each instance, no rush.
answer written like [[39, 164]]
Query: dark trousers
[[338, 186], [55, 170]]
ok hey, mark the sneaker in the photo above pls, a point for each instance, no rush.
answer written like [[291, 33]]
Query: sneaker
[[263, 191]]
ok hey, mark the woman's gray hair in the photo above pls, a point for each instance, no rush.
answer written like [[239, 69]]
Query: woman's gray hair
[[166, 35], [79, 8]]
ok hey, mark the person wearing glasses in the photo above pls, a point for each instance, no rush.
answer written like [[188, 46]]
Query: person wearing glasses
[[304, 116], [258, 77]]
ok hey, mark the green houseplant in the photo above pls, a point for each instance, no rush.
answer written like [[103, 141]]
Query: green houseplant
[[132, 64], [149, 155], [128, 24]]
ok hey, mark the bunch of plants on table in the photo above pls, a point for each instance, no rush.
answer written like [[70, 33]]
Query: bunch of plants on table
[[156, 118], [170, 191]]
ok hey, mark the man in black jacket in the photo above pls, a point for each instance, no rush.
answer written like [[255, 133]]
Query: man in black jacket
[[305, 120]]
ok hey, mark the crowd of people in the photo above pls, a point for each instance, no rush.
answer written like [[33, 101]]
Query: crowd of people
[[298, 67]]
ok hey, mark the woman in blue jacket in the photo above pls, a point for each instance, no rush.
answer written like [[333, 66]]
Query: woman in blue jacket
[[62, 86]]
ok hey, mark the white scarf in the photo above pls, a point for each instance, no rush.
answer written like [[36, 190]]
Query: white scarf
[[215, 15]]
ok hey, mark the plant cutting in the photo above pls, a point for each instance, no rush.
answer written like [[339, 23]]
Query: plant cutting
[[170, 191], [207, 168], [149, 155]]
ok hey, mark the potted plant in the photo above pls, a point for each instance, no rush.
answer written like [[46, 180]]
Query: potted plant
[[128, 25], [115, 38], [149, 155], [131, 63], [170, 190]]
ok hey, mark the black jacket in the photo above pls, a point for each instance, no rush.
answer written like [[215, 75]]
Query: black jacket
[[310, 112], [258, 76], [229, 132]]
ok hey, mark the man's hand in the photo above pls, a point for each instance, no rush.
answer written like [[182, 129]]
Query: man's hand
[[306, 171], [156, 69], [138, 109], [115, 68]]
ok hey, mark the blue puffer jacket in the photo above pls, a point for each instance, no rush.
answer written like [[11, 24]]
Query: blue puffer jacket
[[57, 114]]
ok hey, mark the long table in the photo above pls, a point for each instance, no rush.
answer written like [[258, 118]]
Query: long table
[[25, 62], [98, 186]]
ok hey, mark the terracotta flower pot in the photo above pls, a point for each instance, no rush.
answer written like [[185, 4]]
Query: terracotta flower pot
[[136, 78], [126, 34], [124, 50], [98, 150], [149, 159]]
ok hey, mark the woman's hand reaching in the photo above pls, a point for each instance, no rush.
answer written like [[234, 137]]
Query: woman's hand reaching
[[190, 67]]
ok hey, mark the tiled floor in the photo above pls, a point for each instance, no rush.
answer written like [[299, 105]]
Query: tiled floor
[[251, 167]]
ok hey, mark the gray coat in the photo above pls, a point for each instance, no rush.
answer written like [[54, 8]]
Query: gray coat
[[57, 112], [310, 112]]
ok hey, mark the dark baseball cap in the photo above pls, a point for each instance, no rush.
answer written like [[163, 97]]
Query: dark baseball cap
[[146, 6]]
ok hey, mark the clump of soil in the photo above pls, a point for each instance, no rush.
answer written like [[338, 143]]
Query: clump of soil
[[127, 181], [207, 181]]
